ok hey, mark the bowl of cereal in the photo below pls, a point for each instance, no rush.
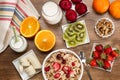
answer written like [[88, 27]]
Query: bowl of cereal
[[104, 27], [62, 64]]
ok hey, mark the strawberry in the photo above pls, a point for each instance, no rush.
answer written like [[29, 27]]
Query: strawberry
[[47, 68], [57, 75], [81, 8], [99, 48], [93, 62], [76, 1], [115, 53], [66, 69], [95, 54], [71, 15], [56, 66], [65, 4], [106, 65], [107, 49], [110, 58]]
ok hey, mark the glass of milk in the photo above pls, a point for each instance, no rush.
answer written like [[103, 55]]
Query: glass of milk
[[20, 45], [51, 12]]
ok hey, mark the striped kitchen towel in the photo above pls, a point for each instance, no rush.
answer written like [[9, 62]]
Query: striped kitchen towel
[[12, 13], [24, 8], [7, 8]]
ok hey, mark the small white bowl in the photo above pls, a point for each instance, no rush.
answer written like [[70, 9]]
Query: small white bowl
[[113, 27], [63, 50]]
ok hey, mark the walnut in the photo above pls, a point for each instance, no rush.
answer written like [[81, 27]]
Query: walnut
[[104, 27]]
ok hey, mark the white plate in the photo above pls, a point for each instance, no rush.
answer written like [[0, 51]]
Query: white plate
[[93, 49], [87, 40], [16, 63]]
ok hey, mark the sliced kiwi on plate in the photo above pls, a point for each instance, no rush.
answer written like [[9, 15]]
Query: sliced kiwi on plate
[[74, 34]]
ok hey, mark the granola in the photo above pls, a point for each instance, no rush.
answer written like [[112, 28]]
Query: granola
[[62, 66]]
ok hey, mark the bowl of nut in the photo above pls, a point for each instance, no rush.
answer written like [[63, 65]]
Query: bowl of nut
[[62, 64], [104, 27]]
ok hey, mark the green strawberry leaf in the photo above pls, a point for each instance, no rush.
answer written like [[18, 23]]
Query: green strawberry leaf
[[100, 63], [117, 51], [107, 46], [103, 56]]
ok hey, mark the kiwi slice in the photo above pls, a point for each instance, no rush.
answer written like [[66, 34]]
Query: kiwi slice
[[82, 34], [80, 38], [75, 29], [70, 28], [80, 26], [69, 33], [72, 43], [67, 36]]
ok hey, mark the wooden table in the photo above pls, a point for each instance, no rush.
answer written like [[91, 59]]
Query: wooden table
[[8, 71]]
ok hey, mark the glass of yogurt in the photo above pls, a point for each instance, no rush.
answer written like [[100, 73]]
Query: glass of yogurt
[[20, 45], [51, 12]]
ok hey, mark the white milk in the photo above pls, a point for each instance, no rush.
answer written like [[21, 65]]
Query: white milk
[[51, 12], [20, 45]]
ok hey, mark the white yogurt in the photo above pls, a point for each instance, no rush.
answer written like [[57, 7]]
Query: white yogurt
[[20, 45], [51, 12]]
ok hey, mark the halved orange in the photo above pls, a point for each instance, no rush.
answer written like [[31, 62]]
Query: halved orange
[[45, 40], [29, 27]]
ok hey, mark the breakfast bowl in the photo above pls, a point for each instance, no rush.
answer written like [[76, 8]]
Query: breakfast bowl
[[62, 64], [104, 27]]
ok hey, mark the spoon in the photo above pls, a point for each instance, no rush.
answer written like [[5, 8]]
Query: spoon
[[83, 59]]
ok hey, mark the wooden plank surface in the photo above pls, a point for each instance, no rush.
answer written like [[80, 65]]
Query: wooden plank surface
[[8, 71]]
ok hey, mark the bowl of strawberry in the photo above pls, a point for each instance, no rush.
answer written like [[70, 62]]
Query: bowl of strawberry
[[103, 57], [73, 9], [62, 64]]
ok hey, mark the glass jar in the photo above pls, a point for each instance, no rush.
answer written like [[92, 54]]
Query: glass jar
[[20, 45], [51, 12]]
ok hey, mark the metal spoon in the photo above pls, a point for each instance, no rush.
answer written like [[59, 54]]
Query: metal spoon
[[83, 59]]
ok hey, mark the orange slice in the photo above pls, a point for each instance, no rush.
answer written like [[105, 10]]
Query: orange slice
[[45, 40], [29, 27]]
